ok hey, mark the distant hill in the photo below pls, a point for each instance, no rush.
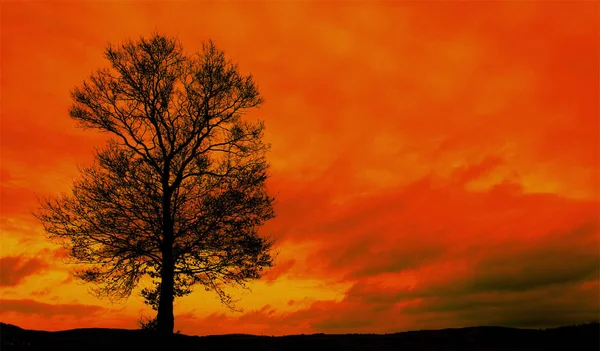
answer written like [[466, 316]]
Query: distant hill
[[580, 337]]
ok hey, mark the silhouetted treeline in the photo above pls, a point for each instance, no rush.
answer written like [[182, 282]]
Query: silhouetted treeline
[[580, 337]]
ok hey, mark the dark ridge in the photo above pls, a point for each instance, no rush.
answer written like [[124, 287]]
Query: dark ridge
[[579, 337]]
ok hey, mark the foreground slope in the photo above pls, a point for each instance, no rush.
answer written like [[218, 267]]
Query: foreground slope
[[582, 337]]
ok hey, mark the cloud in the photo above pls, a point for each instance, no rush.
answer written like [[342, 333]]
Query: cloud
[[15, 269], [278, 270], [37, 315], [545, 283], [419, 254], [555, 305], [436, 218], [32, 307], [557, 259], [535, 308]]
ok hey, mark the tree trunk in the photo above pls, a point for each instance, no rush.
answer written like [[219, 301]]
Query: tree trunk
[[165, 317]]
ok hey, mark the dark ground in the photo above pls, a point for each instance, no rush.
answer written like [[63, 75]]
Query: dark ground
[[581, 337]]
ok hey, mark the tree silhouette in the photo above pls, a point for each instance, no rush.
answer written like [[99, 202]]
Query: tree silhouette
[[178, 193]]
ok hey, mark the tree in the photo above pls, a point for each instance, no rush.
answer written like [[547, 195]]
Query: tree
[[178, 193]]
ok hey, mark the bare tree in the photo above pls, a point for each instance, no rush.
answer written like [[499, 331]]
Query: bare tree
[[178, 193]]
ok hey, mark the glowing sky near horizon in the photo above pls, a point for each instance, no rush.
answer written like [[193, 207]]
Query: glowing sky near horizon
[[436, 164]]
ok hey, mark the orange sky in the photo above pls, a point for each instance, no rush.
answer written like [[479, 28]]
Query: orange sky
[[436, 164]]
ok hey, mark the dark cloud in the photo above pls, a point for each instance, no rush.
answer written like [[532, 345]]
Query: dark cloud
[[15, 269], [31, 307], [540, 307], [543, 281], [556, 259], [278, 270]]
